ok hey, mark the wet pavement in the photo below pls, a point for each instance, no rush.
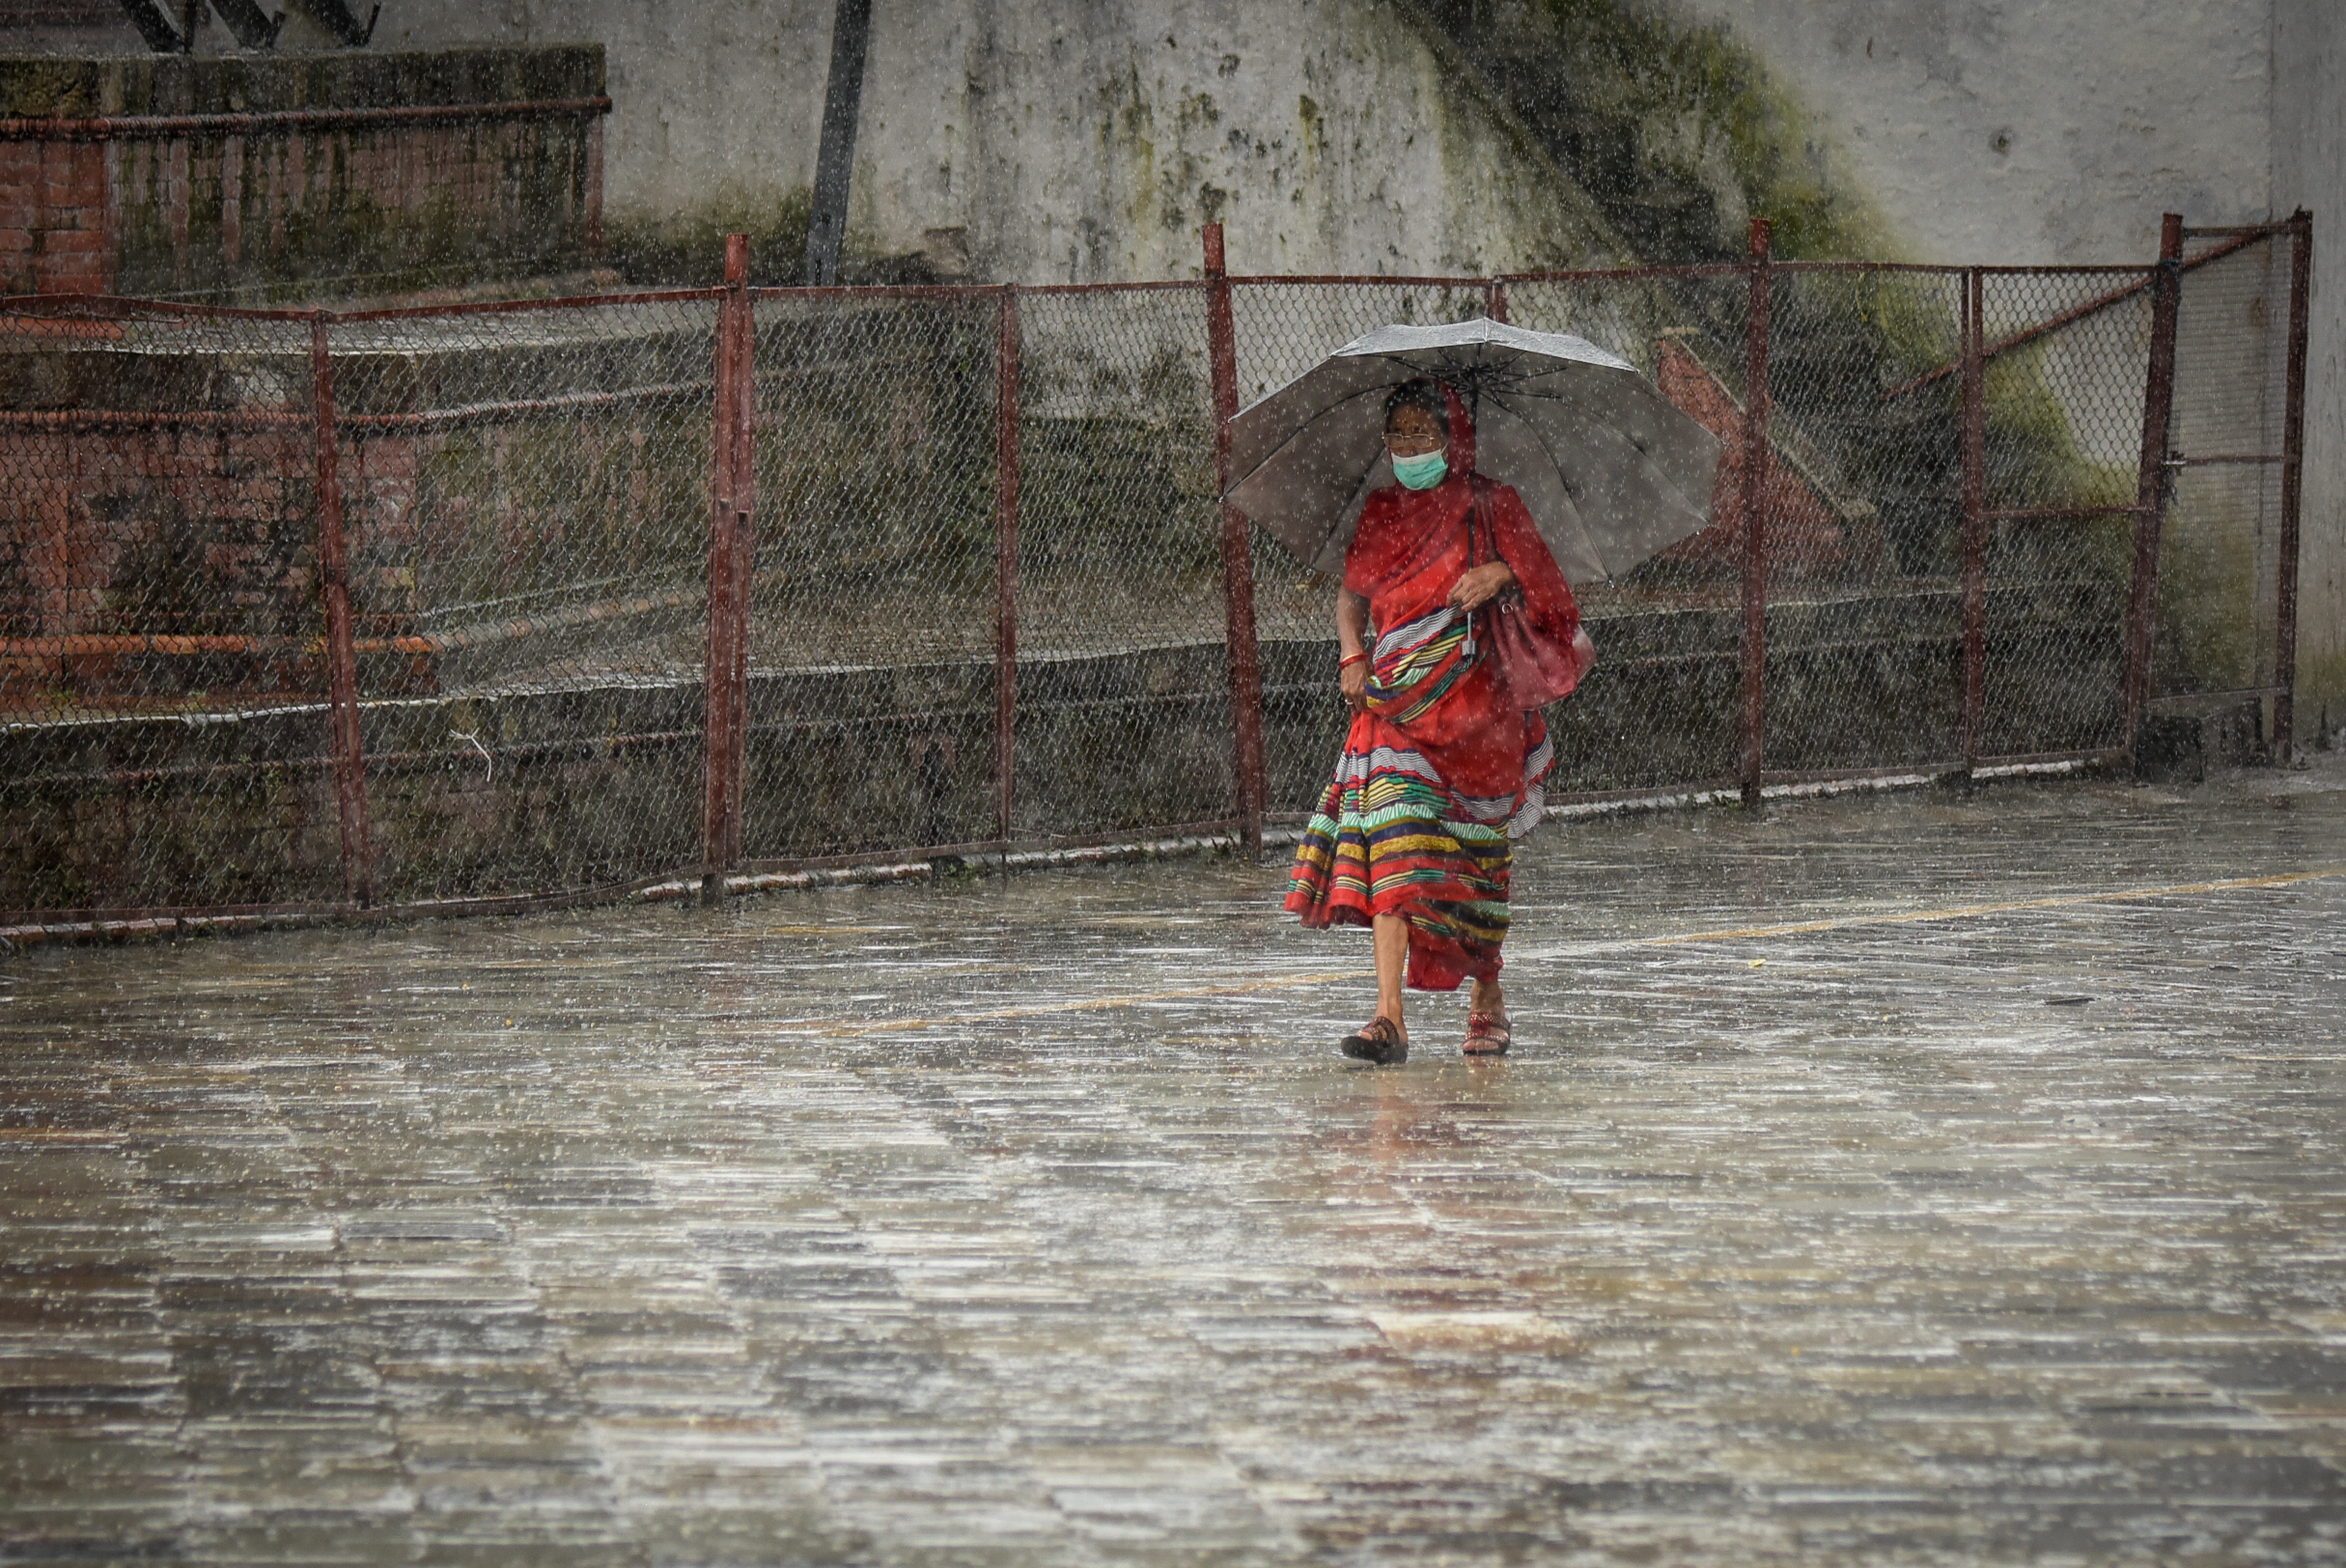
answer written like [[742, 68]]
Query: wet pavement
[[1899, 1179]]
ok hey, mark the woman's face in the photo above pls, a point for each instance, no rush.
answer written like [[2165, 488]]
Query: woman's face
[[1412, 433]]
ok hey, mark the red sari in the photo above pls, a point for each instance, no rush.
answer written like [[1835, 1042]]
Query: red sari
[[1440, 775]]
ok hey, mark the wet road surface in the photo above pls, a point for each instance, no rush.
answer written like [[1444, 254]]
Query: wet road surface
[[1915, 1179]]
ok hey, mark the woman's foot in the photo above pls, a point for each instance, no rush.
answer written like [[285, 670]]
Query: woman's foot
[[1380, 1040], [1487, 1034], [1486, 1020]]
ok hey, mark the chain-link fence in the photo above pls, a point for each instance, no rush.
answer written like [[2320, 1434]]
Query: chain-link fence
[[2056, 460], [165, 739], [461, 607], [2229, 521], [1663, 707], [870, 701], [1123, 686], [525, 499]]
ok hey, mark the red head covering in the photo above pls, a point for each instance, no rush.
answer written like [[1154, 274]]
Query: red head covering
[[1462, 431]]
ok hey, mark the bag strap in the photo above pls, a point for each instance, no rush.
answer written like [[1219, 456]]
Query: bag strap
[[1474, 514]]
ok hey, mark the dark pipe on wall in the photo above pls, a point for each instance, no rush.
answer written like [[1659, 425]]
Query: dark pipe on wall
[[254, 28], [338, 18], [153, 26], [835, 159]]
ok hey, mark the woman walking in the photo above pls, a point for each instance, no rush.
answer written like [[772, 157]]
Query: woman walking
[[1439, 773]]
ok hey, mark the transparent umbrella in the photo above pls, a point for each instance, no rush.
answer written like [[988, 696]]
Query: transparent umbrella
[[1611, 469]]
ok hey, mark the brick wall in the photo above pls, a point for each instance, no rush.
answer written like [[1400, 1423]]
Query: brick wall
[[276, 177], [53, 208], [160, 563]]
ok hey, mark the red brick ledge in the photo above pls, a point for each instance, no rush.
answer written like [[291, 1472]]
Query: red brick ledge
[[153, 126]]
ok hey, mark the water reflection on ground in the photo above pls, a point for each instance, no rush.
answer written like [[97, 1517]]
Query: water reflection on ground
[[1915, 1179]]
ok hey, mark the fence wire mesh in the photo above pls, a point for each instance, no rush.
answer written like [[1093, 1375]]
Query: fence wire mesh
[[1863, 497], [1124, 685], [1661, 707], [2218, 552], [534, 503], [162, 687], [2061, 439], [872, 614], [525, 507]]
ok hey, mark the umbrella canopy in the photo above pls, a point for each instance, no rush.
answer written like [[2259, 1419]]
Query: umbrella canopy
[[1609, 469]]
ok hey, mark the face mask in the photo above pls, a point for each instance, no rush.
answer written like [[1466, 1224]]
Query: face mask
[[1422, 472]]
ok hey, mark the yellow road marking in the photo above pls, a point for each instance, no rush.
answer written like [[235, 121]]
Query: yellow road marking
[[832, 931], [1799, 927], [1960, 911]]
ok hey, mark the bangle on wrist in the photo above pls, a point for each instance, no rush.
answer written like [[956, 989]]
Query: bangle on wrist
[[1348, 660]]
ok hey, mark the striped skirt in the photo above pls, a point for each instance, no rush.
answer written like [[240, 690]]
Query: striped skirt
[[1391, 837]]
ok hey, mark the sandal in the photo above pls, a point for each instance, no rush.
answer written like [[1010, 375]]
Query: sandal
[[1487, 1035], [1377, 1041]]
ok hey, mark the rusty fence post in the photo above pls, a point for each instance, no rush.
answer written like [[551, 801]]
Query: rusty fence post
[[347, 743], [2293, 484], [718, 668], [2150, 482], [1494, 301], [1754, 519], [744, 509], [1975, 537], [1244, 653], [1006, 561], [594, 187], [723, 699]]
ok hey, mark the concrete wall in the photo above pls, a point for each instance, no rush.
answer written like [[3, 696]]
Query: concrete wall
[[2029, 132], [2309, 170], [1069, 140], [715, 106]]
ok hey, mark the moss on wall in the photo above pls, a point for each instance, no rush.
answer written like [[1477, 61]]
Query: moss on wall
[[687, 249], [1680, 135], [1678, 132], [2320, 712]]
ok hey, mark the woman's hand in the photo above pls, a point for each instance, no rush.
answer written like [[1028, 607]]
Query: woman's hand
[[1353, 678], [1480, 585]]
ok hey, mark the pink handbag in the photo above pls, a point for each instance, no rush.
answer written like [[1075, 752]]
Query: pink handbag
[[1534, 664]]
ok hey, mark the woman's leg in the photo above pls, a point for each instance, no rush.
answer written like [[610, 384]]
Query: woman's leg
[[1392, 934], [1488, 997]]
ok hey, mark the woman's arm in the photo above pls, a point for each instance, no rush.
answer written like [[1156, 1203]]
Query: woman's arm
[[1352, 647]]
